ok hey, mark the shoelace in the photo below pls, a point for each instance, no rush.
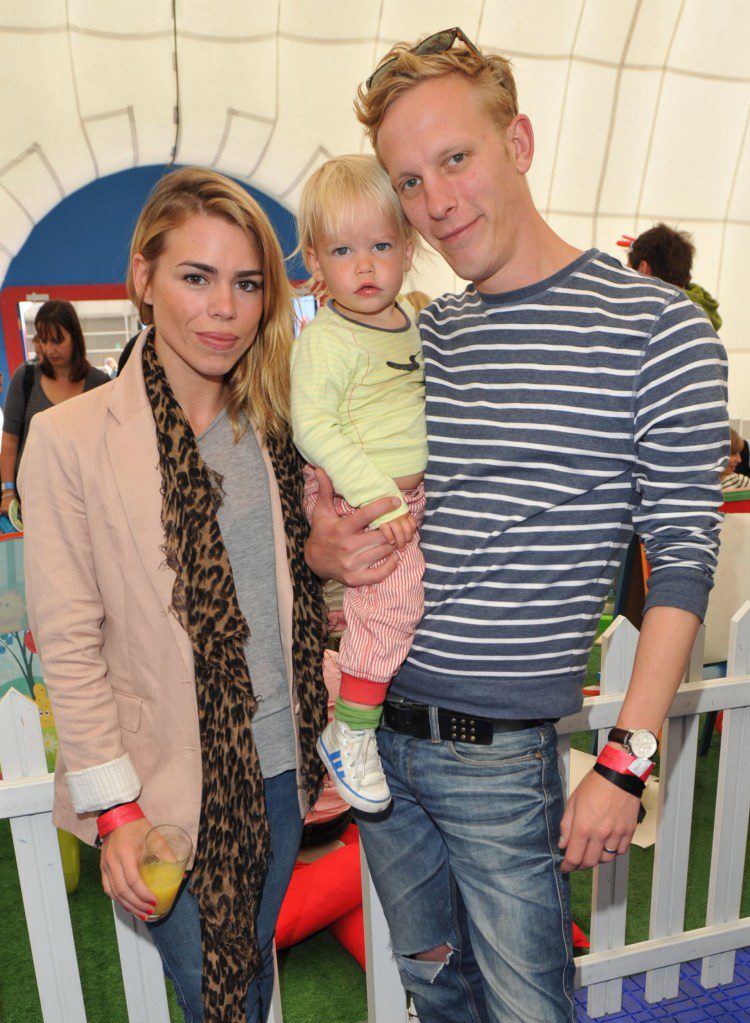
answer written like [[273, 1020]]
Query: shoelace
[[360, 761]]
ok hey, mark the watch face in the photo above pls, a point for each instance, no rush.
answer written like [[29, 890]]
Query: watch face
[[642, 743]]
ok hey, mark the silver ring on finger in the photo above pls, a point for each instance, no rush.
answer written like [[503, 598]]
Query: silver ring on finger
[[612, 852]]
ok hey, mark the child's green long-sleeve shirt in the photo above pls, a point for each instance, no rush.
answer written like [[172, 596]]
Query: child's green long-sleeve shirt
[[358, 405]]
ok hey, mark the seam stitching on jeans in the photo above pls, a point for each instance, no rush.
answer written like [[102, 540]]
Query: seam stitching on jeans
[[178, 990], [457, 951], [560, 900]]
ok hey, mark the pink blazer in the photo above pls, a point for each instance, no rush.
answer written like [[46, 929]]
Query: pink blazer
[[117, 664]]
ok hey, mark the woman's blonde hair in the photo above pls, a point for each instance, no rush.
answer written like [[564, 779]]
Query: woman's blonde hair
[[259, 382], [331, 194], [490, 73]]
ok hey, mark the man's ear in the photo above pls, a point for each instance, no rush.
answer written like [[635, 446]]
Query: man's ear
[[520, 137], [644, 267], [141, 278]]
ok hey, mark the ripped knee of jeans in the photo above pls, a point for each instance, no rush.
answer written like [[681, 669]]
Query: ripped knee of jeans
[[424, 967]]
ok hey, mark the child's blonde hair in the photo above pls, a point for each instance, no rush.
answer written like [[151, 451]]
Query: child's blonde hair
[[330, 194]]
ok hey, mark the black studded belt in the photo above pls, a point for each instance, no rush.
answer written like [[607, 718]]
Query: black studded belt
[[414, 719]]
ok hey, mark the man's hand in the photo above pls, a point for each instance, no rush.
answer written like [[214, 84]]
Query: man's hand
[[398, 532], [344, 548], [598, 815], [121, 879]]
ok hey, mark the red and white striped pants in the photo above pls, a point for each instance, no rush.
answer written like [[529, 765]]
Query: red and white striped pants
[[381, 618]]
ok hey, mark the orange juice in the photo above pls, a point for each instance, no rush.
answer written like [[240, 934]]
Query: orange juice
[[163, 879]]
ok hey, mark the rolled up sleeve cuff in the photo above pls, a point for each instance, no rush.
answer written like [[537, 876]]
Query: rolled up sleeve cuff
[[104, 785], [683, 588]]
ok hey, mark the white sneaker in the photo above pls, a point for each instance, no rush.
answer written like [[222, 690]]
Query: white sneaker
[[351, 759]]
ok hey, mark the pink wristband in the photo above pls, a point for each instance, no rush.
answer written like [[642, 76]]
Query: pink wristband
[[118, 816], [624, 763]]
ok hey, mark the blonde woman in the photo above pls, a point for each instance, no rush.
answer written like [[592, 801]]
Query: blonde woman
[[180, 631]]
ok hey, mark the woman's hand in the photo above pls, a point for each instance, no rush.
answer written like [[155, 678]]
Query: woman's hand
[[344, 548], [121, 879], [7, 499]]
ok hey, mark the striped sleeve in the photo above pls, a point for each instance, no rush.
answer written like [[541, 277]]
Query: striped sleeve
[[681, 436]]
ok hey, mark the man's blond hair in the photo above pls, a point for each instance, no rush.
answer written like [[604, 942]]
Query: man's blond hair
[[332, 194], [491, 74]]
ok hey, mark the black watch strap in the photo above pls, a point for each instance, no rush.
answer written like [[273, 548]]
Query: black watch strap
[[620, 735], [627, 782]]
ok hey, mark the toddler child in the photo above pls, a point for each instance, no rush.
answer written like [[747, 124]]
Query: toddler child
[[358, 413]]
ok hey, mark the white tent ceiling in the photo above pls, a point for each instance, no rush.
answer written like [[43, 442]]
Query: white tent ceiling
[[640, 108]]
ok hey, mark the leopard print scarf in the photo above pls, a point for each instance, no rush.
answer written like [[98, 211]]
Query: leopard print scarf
[[233, 843]]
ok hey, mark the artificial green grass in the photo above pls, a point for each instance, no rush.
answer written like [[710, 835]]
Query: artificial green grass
[[320, 981]]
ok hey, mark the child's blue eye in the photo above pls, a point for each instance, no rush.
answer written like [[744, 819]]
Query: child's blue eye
[[341, 250], [382, 246]]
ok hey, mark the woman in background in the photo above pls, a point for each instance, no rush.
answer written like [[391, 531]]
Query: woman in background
[[63, 372], [731, 478]]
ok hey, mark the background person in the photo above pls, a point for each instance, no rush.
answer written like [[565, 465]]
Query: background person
[[743, 466], [731, 479], [63, 372], [664, 252], [179, 628]]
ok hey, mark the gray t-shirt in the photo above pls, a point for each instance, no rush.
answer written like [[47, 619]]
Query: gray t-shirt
[[247, 530], [18, 413]]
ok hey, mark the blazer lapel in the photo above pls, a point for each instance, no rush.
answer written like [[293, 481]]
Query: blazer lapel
[[131, 443]]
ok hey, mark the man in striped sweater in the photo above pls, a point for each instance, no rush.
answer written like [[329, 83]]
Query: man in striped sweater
[[569, 401]]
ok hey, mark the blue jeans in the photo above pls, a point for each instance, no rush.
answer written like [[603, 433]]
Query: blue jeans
[[469, 859], [178, 936]]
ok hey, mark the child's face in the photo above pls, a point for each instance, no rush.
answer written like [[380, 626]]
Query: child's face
[[363, 265]]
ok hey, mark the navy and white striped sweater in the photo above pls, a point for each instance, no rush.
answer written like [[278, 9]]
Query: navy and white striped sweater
[[559, 416]]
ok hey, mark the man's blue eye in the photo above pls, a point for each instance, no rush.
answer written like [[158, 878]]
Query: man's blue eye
[[409, 184], [457, 158]]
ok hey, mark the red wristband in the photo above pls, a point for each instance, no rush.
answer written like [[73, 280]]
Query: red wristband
[[625, 763], [117, 816]]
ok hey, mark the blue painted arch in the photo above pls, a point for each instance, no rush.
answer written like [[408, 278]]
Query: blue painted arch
[[85, 239]]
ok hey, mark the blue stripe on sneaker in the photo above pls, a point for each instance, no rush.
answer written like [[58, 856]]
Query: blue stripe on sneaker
[[334, 759]]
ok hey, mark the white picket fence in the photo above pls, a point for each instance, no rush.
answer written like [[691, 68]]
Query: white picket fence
[[26, 799]]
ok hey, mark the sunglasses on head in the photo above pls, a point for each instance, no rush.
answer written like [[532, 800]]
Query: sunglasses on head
[[437, 43]]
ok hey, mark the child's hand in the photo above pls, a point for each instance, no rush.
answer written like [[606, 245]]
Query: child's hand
[[399, 531]]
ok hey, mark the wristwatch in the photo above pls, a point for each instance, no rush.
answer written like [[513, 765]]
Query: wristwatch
[[639, 743]]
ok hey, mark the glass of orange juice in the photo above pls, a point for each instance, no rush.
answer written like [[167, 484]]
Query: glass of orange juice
[[165, 855]]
